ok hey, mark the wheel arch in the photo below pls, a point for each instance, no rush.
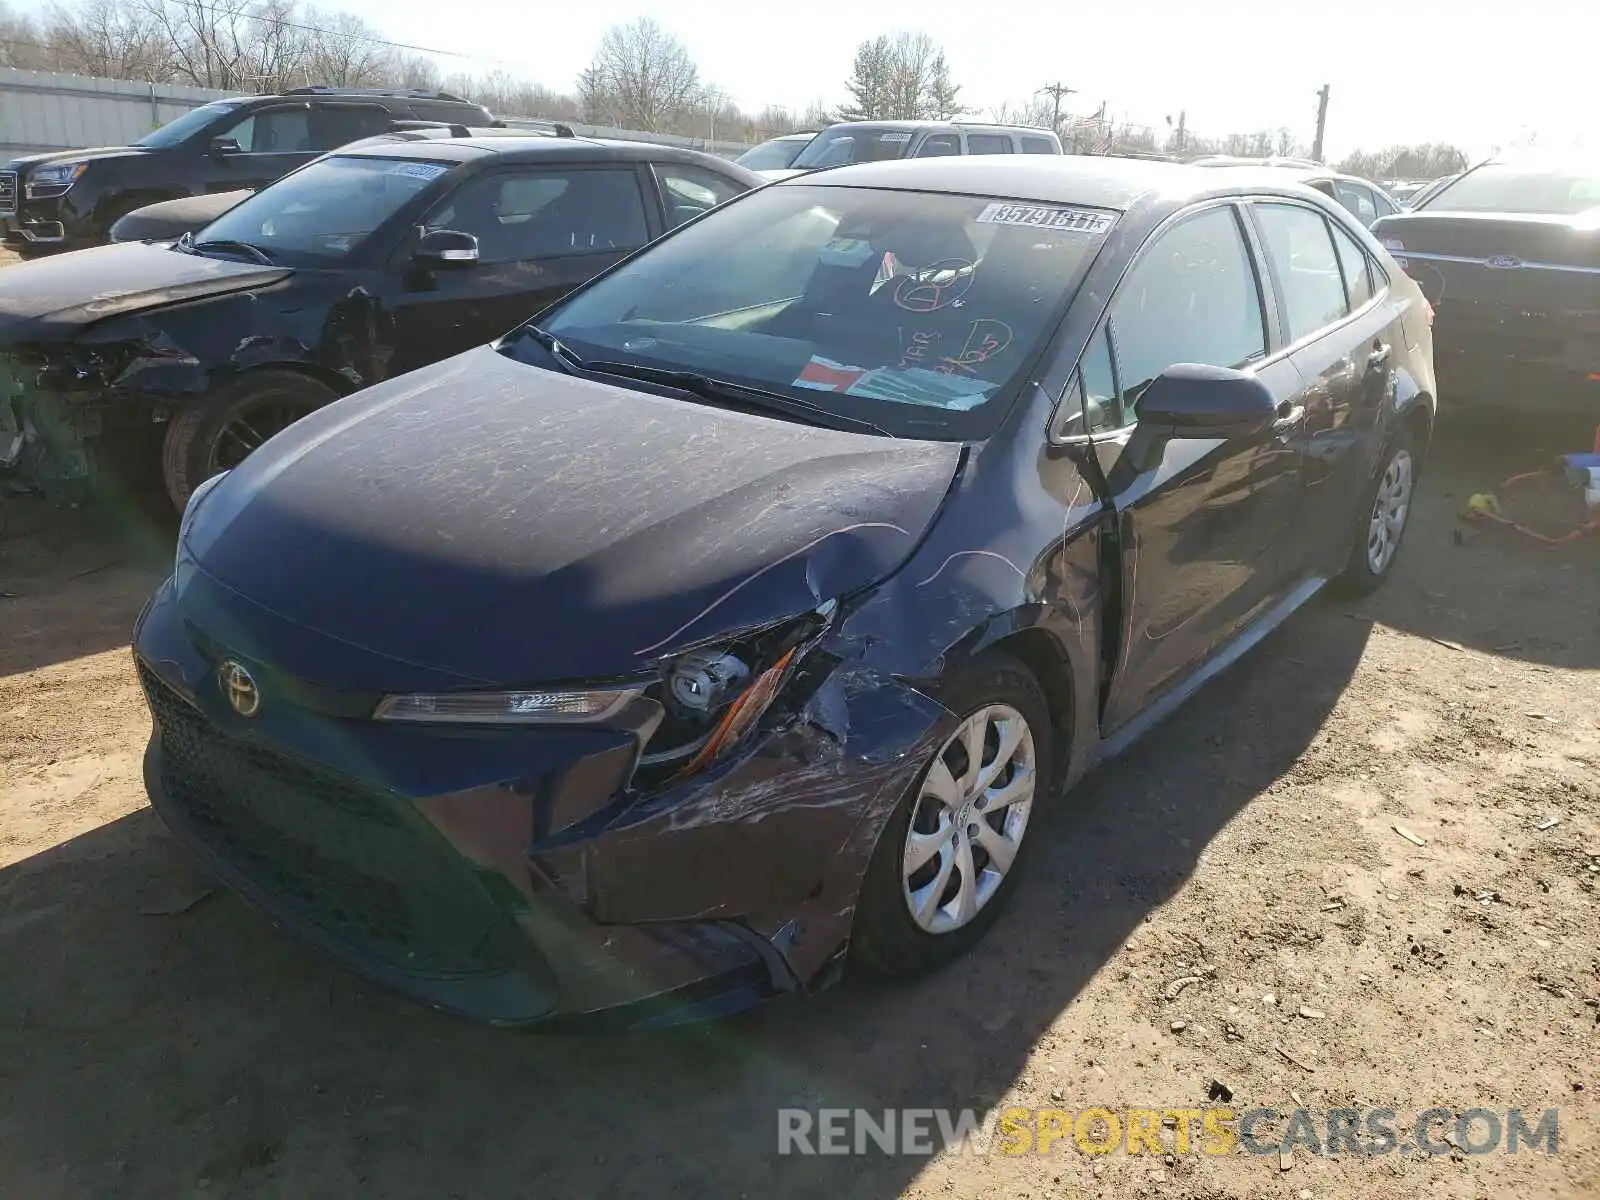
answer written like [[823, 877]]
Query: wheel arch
[[1023, 634], [241, 372]]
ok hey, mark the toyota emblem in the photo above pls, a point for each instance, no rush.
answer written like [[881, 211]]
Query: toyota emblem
[[239, 686]]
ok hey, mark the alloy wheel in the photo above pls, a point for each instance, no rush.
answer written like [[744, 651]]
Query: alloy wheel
[[245, 430], [969, 819], [1390, 508]]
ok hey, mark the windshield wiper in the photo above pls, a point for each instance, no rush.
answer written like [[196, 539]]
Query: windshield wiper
[[723, 391], [226, 244], [566, 358]]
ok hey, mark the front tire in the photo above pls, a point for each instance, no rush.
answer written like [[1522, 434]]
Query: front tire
[[1385, 516], [952, 851], [217, 431]]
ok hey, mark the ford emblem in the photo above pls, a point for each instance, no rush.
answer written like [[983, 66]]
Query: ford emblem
[[1502, 262]]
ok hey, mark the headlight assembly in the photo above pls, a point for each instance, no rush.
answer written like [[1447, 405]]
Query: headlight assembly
[[712, 696], [53, 180]]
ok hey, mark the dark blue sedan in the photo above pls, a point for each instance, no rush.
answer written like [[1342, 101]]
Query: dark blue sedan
[[728, 623]]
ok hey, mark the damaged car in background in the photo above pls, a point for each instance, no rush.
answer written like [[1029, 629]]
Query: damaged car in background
[[735, 619], [372, 261]]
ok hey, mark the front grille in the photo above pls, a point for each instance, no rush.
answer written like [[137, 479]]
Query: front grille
[[8, 193], [355, 862]]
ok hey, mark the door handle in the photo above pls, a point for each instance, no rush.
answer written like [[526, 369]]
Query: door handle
[[1379, 356]]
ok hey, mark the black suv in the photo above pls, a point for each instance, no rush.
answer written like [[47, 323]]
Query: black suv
[[70, 198], [364, 264]]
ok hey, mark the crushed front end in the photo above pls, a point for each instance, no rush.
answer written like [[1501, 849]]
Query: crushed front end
[[641, 868], [59, 409]]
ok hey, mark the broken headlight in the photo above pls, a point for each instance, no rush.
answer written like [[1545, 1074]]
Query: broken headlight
[[713, 695]]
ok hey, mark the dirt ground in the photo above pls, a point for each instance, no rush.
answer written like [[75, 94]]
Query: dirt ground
[[157, 1039]]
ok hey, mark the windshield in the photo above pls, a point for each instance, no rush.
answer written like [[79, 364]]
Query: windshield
[[919, 312], [840, 148], [771, 156], [182, 128], [1503, 188], [322, 213]]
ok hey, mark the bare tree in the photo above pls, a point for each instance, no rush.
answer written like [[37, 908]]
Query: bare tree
[[342, 50], [641, 77], [23, 45], [901, 76], [105, 39], [1036, 110], [1429, 160]]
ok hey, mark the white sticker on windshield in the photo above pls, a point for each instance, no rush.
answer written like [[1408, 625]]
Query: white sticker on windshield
[[419, 170], [894, 137], [1041, 216]]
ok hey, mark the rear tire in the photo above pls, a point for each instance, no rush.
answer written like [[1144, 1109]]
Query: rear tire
[[912, 917], [215, 432], [1384, 517]]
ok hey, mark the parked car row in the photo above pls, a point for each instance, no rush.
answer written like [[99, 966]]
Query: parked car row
[[364, 264], [71, 198], [732, 622]]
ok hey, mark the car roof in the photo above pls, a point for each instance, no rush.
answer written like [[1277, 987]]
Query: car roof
[[979, 126], [1094, 181], [521, 145], [1292, 170]]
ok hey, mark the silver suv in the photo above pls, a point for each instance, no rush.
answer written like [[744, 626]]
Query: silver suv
[[874, 141]]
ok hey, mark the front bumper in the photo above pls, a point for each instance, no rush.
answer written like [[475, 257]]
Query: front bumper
[[43, 226], [512, 877]]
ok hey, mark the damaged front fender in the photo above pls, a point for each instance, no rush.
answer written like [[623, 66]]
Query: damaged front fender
[[776, 838]]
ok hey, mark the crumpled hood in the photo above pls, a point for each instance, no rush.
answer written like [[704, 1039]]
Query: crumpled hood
[[488, 521], [53, 297], [29, 161]]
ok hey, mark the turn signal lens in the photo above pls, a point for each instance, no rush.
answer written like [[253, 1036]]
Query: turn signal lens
[[508, 708]]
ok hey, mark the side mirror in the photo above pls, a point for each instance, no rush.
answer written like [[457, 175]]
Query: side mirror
[[226, 145], [1192, 400], [445, 248]]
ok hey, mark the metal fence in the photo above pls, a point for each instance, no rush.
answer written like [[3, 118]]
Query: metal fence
[[40, 110]]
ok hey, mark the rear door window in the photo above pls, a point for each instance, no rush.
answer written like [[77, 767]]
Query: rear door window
[[1310, 285], [1357, 199], [335, 125], [939, 144], [1356, 266], [1037, 145], [1192, 297], [688, 190], [988, 143]]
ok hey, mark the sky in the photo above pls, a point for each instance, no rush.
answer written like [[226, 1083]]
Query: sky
[[1399, 71]]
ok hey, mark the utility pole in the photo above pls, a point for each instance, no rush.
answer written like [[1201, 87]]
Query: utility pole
[[1182, 117], [1058, 91], [1322, 122]]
